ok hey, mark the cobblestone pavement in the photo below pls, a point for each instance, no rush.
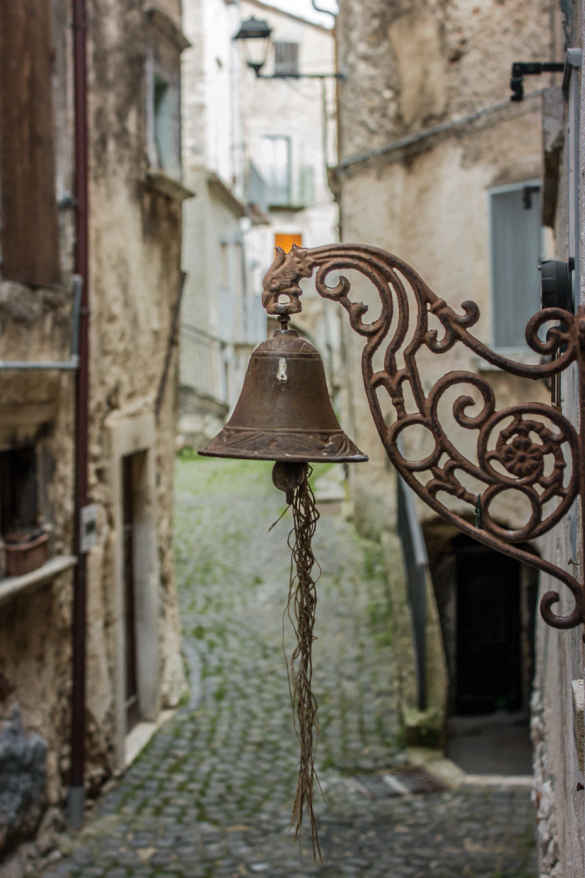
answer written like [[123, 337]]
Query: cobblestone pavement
[[212, 794]]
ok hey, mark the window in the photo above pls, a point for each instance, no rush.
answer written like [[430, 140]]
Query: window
[[257, 189], [164, 94], [287, 241], [276, 169], [286, 59], [166, 125], [516, 251], [30, 237], [19, 508]]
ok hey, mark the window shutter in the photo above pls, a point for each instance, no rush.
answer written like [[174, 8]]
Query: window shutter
[[516, 250], [30, 238], [286, 58], [276, 168]]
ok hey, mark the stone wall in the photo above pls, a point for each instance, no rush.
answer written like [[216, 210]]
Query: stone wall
[[135, 243], [560, 654], [427, 201], [426, 133], [410, 65]]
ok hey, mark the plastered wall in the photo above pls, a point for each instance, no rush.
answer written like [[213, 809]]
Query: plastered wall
[[135, 240], [411, 67], [560, 654]]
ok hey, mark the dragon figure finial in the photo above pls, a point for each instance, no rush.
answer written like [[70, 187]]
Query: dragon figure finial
[[281, 290]]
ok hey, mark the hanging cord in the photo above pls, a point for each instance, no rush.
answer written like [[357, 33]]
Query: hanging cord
[[300, 608]]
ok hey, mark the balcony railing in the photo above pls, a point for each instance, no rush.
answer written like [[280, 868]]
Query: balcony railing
[[202, 362]]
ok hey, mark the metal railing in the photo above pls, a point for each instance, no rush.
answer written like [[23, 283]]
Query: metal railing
[[416, 564], [202, 362]]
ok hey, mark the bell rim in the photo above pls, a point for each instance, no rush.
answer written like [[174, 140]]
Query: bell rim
[[215, 448], [284, 458]]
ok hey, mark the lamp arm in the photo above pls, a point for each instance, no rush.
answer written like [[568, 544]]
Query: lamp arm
[[529, 447]]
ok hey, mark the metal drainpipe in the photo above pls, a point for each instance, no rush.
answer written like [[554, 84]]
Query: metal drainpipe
[[76, 796]]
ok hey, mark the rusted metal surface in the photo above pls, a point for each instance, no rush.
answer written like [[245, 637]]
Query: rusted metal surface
[[284, 412], [530, 447]]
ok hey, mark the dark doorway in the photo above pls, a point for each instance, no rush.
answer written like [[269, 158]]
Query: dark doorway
[[487, 608], [489, 670], [128, 523]]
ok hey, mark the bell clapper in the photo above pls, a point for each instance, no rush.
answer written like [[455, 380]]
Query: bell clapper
[[288, 476]]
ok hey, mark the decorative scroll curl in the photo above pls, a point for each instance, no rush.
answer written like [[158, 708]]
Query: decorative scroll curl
[[530, 448]]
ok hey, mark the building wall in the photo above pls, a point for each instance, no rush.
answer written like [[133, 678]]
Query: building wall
[[560, 654], [410, 68], [227, 114], [135, 242], [426, 135], [303, 111]]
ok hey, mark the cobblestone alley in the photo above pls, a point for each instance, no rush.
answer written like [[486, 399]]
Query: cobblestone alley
[[212, 793]]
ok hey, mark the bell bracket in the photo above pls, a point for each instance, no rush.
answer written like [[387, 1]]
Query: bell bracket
[[530, 447]]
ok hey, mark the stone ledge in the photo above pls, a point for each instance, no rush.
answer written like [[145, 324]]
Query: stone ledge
[[11, 586], [140, 735], [160, 182]]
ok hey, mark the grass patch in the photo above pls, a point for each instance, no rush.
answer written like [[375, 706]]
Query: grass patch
[[319, 469], [220, 693], [380, 613], [204, 476], [199, 476], [373, 561]]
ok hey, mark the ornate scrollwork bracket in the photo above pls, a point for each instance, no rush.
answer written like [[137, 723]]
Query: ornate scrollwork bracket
[[529, 447]]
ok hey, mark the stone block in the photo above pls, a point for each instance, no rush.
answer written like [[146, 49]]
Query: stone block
[[23, 781]]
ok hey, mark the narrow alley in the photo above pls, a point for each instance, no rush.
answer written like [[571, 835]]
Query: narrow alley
[[211, 795]]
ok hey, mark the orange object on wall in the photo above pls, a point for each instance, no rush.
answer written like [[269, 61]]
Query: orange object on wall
[[286, 241]]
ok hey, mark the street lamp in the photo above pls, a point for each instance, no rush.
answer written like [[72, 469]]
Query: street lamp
[[254, 36]]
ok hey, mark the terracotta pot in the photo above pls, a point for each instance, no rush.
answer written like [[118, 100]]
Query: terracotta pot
[[25, 552]]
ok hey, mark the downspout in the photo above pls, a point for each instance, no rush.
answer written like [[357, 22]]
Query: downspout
[[76, 797]]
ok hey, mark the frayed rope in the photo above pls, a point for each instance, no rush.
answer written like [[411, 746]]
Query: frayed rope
[[300, 609]]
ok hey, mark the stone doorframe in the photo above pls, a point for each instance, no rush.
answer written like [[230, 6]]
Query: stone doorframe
[[130, 436]]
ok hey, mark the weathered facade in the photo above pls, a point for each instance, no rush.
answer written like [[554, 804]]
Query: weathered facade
[[557, 707], [439, 167], [255, 152], [431, 150], [134, 668]]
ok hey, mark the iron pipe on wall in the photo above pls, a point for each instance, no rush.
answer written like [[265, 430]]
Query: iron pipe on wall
[[76, 797]]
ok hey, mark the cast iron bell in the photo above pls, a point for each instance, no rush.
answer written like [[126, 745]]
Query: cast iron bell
[[284, 412]]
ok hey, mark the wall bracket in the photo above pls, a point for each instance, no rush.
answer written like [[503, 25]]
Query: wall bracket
[[530, 447]]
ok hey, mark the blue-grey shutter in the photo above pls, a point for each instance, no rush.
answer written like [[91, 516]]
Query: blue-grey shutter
[[516, 250]]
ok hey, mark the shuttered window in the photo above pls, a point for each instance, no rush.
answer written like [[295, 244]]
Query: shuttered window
[[516, 251], [276, 168], [286, 58], [167, 125], [30, 240]]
